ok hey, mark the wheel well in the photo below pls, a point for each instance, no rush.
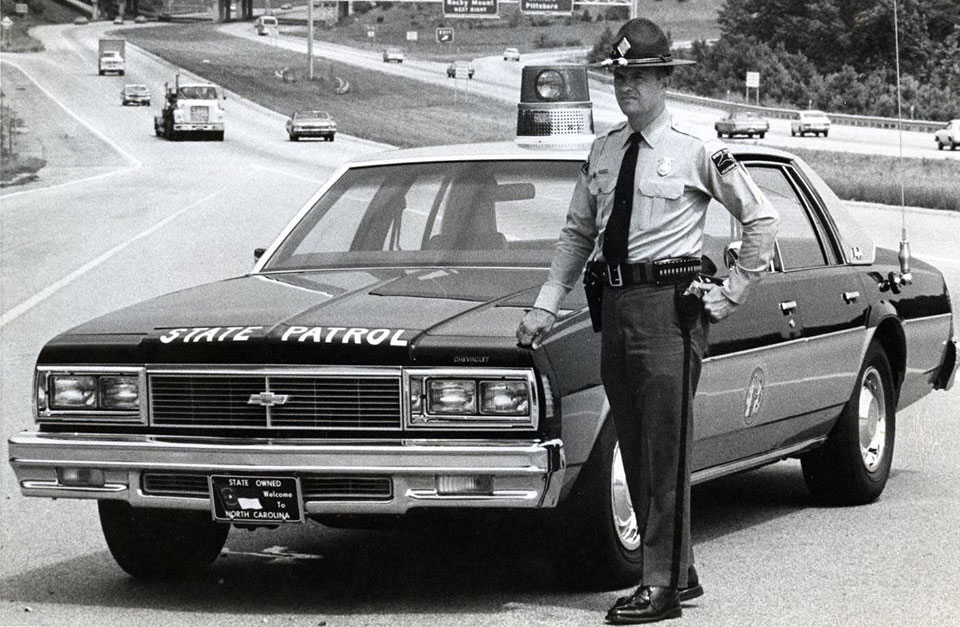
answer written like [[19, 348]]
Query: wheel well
[[890, 336]]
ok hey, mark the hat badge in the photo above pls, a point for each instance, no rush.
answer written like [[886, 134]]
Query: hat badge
[[665, 166], [623, 47]]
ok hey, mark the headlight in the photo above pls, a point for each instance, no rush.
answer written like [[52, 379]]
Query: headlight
[[481, 398], [90, 394]]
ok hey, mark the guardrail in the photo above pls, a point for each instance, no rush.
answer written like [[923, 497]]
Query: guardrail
[[923, 126]]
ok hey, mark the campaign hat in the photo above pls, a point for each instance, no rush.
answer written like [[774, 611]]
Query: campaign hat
[[641, 43]]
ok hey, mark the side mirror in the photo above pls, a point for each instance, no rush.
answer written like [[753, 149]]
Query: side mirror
[[258, 252], [731, 253]]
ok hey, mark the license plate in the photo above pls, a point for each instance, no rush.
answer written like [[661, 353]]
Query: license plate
[[256, 499]]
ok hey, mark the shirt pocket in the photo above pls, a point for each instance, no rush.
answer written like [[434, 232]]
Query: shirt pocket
[[603, 188], [659, 199]]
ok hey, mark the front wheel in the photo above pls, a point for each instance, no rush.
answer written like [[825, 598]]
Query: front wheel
[[939, 145], [852, 468], [161, 544], [598, 532], [762, 135]]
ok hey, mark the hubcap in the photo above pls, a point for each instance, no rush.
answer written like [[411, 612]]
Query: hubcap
[[624, 519], [872, 415]]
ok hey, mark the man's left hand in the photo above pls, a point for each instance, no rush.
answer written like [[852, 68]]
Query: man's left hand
[[716, 303]]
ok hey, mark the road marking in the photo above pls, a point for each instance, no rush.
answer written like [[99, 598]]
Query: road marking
[[53, 288], [126, 155], [288, 173]]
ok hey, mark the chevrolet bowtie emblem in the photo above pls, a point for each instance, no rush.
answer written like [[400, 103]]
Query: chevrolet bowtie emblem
[[268, 399]]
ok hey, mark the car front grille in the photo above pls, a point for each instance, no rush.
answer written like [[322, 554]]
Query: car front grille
[[314, 487], [199, 113], [231, 401]]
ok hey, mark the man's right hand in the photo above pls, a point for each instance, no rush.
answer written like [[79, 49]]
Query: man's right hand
[[534, 324]]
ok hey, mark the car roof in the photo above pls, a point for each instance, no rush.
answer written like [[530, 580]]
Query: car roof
[[490, 151]]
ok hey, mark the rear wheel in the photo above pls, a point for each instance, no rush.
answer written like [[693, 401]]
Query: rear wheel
[[852, 468], [164, 544], [762, 135], [599, 537], [940, 145], [953, 145]]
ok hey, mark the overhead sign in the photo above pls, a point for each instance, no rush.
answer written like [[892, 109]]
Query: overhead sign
[[753, 79], [470, 8], [548, 7], [444, 35]]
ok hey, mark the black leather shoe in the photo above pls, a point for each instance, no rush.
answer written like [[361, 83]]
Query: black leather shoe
[[692, 591], [649, 604]]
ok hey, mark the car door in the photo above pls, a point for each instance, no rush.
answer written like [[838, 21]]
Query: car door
[[765, 387]]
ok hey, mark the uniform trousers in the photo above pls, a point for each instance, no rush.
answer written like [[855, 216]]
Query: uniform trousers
[[652, 340]]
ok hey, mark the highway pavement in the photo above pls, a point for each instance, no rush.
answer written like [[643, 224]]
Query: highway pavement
[[122, 216]]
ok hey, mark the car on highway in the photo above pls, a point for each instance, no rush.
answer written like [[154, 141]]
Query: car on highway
[[118, 19], [393, 55], [140, 19], [948, 136], [135, 94], [811, 121], [367, 367], [460, 69], [310, 123], [286, 6], [81, 20], [742, 123], [511, 54]]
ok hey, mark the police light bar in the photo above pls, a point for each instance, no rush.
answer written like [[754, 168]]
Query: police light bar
[[554, 108]]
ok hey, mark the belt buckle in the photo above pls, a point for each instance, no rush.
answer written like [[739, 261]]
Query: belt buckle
[[614, 282]]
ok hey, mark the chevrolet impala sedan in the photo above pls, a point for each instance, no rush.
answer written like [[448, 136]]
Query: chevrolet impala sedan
[[367, 367], [311, 124], [745, 123]]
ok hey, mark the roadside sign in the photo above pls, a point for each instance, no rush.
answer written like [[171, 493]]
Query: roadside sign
[[548, 7], [371, 33], [444, 35], [6, 22], [411, 35], [20, 8], [471, 8], [753, 79]]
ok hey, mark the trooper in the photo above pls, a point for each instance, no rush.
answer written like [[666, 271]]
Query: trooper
[[637, 212]]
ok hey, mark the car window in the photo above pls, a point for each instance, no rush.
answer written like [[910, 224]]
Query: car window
[[198, 92], [798, 245], [489, 212]]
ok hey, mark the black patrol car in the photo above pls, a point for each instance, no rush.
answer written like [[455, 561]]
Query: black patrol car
[[367, 365]]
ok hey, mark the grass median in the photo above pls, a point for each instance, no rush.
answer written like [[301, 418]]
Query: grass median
[[402, 112]]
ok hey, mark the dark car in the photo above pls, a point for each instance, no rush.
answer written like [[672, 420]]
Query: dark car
[[135, 94], [460, 69], [310, 123], [367, 367], [742, 123]]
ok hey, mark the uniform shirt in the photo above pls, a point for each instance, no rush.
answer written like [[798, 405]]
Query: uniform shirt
[[678, 172]]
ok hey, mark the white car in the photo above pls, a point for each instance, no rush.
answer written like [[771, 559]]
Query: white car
[[949, 135], [393, 55], [812, 121], [511, 54]]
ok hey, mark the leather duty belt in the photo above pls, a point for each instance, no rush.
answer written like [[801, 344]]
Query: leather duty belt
[[669, 271]]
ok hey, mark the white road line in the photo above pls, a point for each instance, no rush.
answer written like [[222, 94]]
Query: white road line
[[286, 173], [126, 155], [53, 288], [95, 177]]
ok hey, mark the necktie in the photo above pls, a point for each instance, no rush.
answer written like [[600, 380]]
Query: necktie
[[618, 226]]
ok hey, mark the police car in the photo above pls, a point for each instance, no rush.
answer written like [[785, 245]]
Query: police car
[[367, 365]]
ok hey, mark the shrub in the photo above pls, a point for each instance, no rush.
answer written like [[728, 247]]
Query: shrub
[[36, 6], [359, 8]]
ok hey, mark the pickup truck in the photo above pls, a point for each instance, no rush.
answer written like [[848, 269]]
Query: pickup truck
[[949, 135]]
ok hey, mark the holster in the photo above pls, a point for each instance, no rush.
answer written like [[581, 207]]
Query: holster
[[593, 288]]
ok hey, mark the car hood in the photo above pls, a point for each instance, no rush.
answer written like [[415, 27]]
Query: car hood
[[394, 316]]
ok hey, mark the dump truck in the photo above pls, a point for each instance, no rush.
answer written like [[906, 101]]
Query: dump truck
[[190, 108], [112, 56]]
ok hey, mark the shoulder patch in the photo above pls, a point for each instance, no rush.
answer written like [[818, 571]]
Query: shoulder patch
[[723, 161]]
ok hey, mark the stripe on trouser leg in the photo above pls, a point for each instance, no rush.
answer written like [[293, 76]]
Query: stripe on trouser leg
[[681, 463]]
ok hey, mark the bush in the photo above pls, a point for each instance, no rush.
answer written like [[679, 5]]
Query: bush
[[546, 41], [573, 42], [359, 8], [617, 13], [36, 7]]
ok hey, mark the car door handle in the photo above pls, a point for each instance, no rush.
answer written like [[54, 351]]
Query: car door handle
[[849, 297], [788, 306]]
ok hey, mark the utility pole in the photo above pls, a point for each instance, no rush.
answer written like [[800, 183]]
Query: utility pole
[[310, 40]]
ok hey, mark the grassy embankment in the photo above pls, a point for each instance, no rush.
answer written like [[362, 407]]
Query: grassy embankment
[[385, 108]]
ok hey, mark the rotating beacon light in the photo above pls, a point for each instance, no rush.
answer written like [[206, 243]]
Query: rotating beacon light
[[554, 108]]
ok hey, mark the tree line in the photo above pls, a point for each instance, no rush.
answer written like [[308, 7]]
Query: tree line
[[835, 55]]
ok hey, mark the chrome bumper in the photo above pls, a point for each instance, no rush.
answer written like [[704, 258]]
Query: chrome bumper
[[526, 474], [188, 126]]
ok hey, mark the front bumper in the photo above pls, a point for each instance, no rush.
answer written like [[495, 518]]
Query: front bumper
[[525, 474], [187, 126], [315, 132]]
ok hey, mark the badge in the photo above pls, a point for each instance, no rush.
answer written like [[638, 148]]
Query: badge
[[665, 166], [724, 161], [754, 396], [623, 47]]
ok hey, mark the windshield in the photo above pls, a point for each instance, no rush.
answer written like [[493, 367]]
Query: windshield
[[457, 213], [136, 89], [198, 92], [311, 115]]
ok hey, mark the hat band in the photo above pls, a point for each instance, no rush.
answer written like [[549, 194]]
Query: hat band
[[623, 61]]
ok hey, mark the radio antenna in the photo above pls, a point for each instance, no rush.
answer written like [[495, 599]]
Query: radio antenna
[[905, 277]]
